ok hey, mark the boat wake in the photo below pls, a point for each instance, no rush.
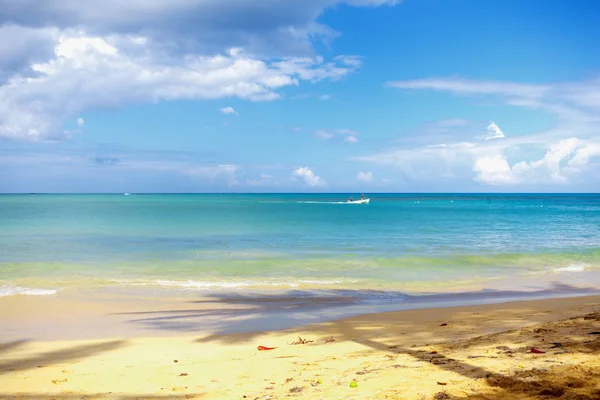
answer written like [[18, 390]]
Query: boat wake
[[362, 201]]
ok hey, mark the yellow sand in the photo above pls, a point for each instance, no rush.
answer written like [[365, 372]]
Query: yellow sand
[[482, 353]]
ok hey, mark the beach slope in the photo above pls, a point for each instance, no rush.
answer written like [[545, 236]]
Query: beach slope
[[542, 349]]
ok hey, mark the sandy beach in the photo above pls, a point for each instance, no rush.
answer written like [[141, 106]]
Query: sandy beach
[[471, 352]]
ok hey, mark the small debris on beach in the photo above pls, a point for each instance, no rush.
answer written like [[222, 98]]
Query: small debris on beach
[[441, 396], [353, 384], [442, 383], [175, 361], [505, 348], [444, 324], [296, 389], [183, 374], [262, 348], [301, 341], [536, 351], [331, 339]]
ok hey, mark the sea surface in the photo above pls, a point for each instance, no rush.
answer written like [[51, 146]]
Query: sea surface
[[186, 245]]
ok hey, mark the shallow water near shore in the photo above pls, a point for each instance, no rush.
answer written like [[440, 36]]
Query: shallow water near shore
[[196, 245]]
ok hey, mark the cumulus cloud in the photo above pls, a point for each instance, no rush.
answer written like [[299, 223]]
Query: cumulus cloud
[[563, 154], [308, 176], [280, 27], [348, 135], [228, 110], [80, 122], [558, 162], [493, 170], [364, 176], [93, 72], [60, 58]]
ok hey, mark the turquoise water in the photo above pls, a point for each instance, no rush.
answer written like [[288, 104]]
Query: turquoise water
[[197, 243]]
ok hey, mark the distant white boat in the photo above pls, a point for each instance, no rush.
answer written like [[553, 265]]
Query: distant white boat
[[126, 194], [361, 201]]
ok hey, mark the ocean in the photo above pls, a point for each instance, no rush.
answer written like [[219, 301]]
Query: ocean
[[188, 245]]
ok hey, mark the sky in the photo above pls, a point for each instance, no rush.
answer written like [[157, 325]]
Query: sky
[[351, 96]]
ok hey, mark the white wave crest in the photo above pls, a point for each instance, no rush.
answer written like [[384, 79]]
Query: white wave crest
[[15, 290], [572, 268]]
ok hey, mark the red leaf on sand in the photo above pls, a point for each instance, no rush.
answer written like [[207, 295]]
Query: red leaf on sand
[[534, 350], [266, 348], [444, 324]]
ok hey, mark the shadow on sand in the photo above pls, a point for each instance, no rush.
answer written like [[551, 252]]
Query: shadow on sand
[[10, 346], [225, 314], [256, 311], [59, 356]]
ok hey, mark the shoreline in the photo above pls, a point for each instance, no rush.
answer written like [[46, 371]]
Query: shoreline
[[85, 314], [391, 355]]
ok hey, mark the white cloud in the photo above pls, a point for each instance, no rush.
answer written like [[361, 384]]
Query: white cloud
[[325, 97], [493, 132], [80, 122], [554, 166], [93, 72], [263, 180], [353, 61], [469, 87], [364, 176], [308, 176], [228, 110], [565, 154], [324, 134], [493, 170], [275, 27], [349, 135], [583, 155], [60, 58], [226, 172]]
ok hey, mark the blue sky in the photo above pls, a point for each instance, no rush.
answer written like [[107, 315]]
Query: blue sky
[[295, 96]]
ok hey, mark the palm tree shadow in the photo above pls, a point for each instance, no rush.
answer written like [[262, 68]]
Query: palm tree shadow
[[513, 386], [267, 313], [9, 346], [59, 356]]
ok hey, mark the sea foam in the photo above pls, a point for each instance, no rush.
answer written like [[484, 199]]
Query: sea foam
[[14, 290], [571, 268]]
